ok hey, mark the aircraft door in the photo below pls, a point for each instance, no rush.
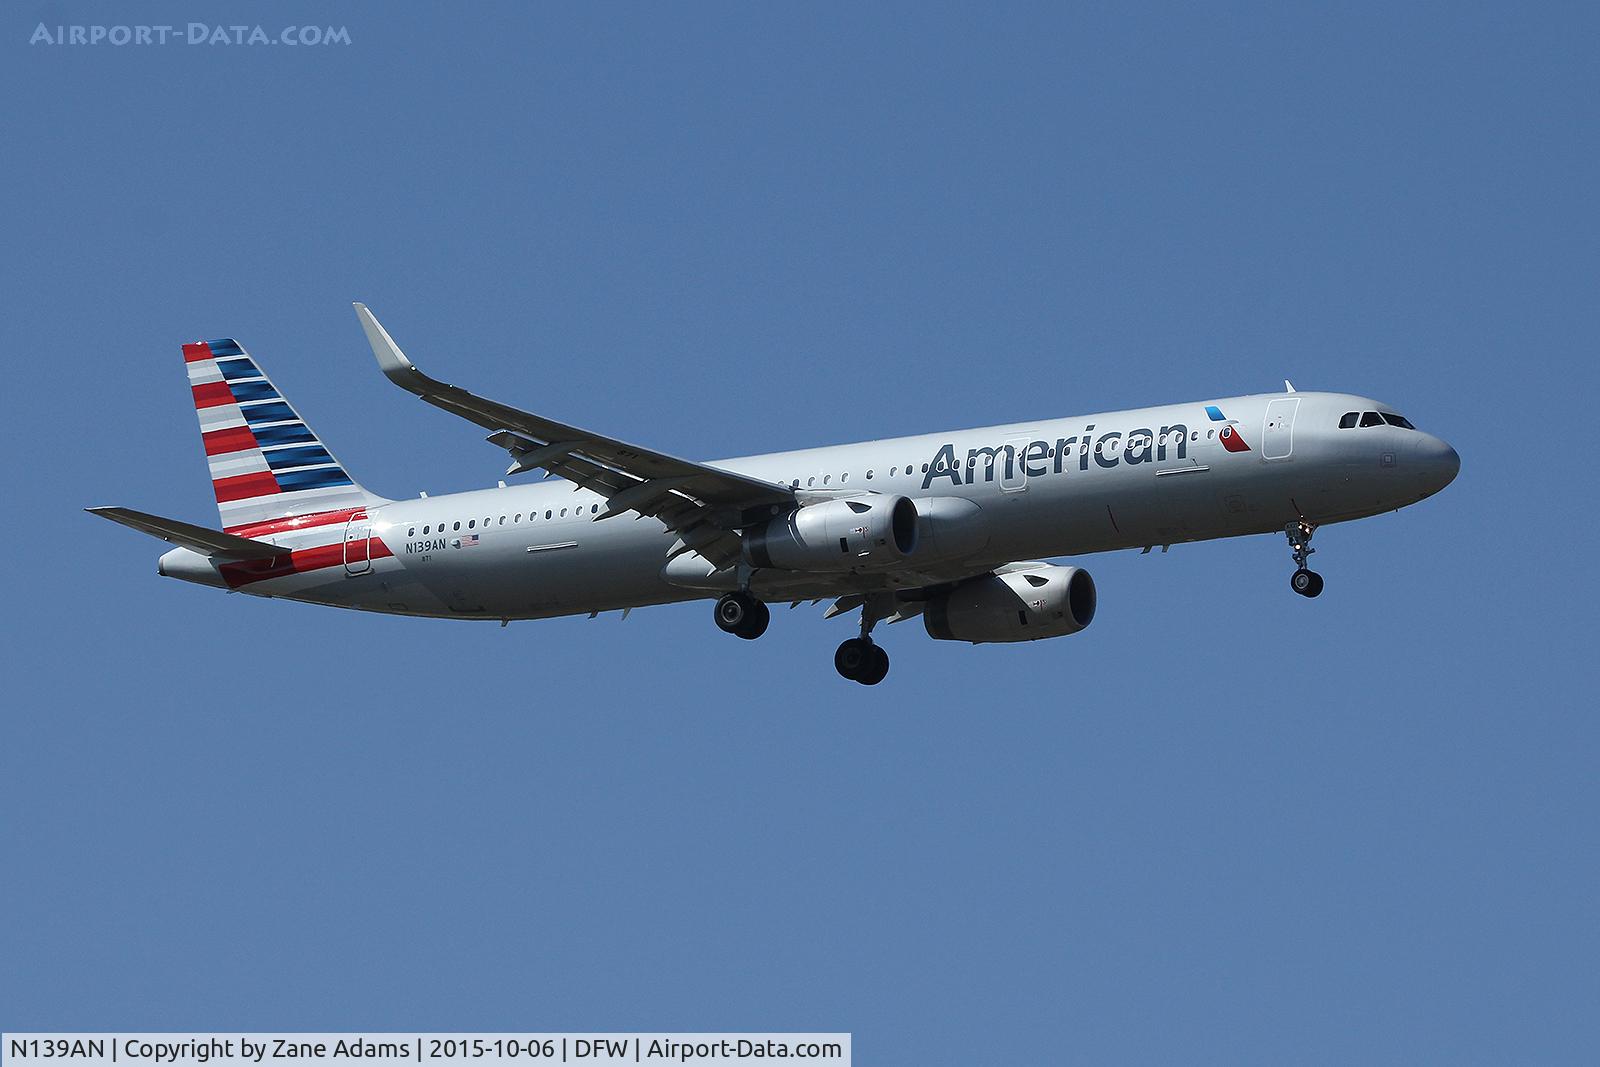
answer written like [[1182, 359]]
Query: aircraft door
[[1013, 469], [1277, 432], [357, 547]]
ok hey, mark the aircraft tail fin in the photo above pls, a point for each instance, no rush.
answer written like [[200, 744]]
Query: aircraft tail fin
[[265, 462]]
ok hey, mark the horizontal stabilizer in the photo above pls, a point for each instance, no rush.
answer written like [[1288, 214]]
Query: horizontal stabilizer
[[213, 543]]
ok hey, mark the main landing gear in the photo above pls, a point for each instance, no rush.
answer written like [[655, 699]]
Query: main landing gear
[[742, 615], [1307, 583], [860, 659]]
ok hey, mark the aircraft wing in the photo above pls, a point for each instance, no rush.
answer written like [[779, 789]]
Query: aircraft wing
[[215, 543], [704, 505]]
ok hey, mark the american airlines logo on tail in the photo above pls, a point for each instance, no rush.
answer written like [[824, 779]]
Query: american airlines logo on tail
[[264, 461]]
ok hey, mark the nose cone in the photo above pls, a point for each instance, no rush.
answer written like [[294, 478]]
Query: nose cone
[[1435, 463]]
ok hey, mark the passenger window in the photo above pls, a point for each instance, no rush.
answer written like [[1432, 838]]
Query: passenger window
[[1348, 419], [424, 531], [594, 509], [457, 524], [517, 517], [471, 523], [893, 471], [411, 532], [845, 477], [869, 476], [1397, 420], [1371, 418], [547, 514]]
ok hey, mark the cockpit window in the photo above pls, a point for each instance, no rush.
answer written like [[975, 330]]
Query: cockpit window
[[1348, 419], [1371, 418], [1397, 420]]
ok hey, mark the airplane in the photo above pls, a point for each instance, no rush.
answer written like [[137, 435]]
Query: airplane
[[954, 527]]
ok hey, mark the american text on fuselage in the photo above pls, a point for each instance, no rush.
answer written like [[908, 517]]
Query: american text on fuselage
[[1039, 458]]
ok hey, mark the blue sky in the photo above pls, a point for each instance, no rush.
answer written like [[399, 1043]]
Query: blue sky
[[1225, 823]]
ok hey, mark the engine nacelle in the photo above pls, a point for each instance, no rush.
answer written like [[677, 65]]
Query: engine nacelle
[[1017, 606], [949, 528], [856, 533]]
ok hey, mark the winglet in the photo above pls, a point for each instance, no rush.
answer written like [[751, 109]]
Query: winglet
[[1288, 386], [393, 362]]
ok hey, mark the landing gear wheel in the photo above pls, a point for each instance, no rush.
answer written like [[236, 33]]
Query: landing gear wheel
[[859, 660], [852, 656], [742, 615], [1306, 583], [877, 667], [756, 625]]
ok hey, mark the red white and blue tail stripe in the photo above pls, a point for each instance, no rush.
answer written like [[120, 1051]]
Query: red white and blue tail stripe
[[265, 461]]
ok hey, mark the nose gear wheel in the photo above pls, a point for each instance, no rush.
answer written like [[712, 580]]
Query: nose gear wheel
[[1306, 582]]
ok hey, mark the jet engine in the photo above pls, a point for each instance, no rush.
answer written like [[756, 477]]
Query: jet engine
[[1016, 606], [869, 532]]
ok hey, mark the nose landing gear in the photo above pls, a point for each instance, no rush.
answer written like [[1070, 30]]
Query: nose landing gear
[[1308, 583]]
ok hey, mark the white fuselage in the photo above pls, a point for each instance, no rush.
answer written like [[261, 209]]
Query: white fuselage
[[1063, 487]]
